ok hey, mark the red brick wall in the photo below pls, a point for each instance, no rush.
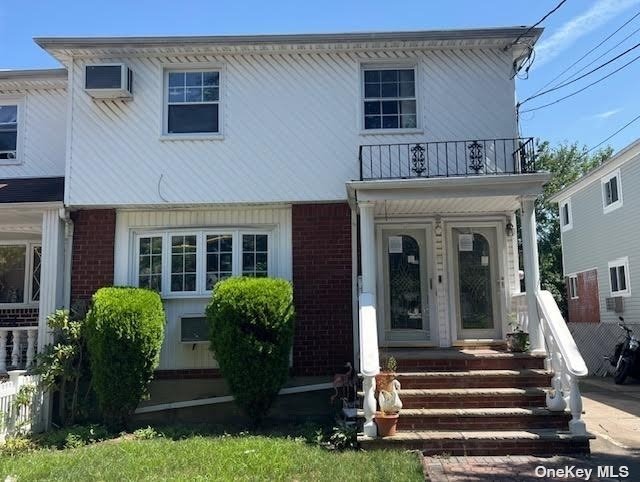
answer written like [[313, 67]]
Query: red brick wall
[[93, 244], [322, 284], [585, 308], [19, 317]]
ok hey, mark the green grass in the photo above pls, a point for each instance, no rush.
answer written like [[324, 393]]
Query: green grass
[[210, 458]]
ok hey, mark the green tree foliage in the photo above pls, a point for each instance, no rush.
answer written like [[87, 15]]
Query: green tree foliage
[[251, 322], [566, 162], [124, 330]]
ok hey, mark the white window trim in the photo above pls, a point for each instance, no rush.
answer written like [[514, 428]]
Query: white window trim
[[28, 282], [201, 272], [193, 67], [413, 64], [614, 264], [20, 102], [573, 278], [603, 181], [569, 225]]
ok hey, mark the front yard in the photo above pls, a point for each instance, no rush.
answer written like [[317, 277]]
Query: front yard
[[199, 457]]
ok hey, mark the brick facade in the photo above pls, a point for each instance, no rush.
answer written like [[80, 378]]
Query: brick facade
[[586, 307], [322, 284], [93, 250], [19, 317]]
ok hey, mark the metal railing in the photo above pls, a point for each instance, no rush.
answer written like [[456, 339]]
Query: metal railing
[[475, 157]]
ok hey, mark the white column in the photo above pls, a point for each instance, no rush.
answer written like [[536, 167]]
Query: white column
[[31, 347], [15, 351], [3, 350], [368, 247], [531, 272]]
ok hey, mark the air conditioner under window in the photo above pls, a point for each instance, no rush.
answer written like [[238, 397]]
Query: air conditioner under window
[[108, 81], [615, 304], [194, 329]]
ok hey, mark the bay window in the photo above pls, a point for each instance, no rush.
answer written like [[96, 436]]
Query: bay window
[[19, 273]]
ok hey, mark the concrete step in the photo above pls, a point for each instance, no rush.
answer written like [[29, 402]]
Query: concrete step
[[543, 442], [481, 419], [472, 397], [464, 359], [475, 379]]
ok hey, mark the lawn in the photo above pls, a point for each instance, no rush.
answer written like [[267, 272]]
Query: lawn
[[209, 458]]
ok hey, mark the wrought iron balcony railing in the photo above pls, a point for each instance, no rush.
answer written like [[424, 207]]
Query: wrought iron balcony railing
[[447, 159]]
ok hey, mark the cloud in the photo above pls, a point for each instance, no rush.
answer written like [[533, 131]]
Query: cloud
[[607, 113], [600, 13]]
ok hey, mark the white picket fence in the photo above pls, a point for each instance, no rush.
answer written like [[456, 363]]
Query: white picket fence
[[18, 418]]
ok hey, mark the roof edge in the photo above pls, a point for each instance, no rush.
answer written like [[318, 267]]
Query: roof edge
[[33, 74]]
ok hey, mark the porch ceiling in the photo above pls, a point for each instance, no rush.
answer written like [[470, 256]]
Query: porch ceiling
[[447, 206], [18, 223]]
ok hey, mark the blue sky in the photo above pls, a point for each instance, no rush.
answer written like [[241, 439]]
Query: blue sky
[[575, 28]]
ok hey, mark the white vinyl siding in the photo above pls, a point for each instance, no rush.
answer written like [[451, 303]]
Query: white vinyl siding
[[619, 282], [611, 192], [566, 216]]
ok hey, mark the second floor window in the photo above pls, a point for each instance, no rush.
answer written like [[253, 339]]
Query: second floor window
[[193, 102], [389, 99], [611, 192], [8, 131], [566, 220]]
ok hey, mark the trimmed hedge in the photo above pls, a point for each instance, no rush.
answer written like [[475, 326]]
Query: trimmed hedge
[[124, 330], [251, 333]]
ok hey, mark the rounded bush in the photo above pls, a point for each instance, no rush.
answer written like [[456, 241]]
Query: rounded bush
[[124, 330], [251, 333]]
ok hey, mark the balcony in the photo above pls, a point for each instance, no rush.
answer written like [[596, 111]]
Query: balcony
[[478, 157]]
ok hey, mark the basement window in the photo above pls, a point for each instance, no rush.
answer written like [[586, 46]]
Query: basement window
[[573, 286]]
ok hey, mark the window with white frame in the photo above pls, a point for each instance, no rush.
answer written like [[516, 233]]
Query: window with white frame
[[192, 102], [619, 277], [192, 262], [573, 286], [19, 273], [566, 216], [9, 112], [389, 98], [611, 191]]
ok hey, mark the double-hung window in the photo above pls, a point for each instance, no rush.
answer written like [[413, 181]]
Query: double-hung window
[[389, 98], [9, 112], [566, 216], [619, 277], [192, 102], [19, 273], [573, 286], [191, 263], [611, 192]]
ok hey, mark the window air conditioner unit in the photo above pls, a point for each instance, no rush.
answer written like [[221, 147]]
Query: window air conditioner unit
[[615, 304], [108, 81], [194, 329]]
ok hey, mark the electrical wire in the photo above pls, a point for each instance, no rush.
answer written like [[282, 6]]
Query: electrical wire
[[635, 119], [535, 24]]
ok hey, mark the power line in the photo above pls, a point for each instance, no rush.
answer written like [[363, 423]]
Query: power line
[[614, 134], [590, 51], [583, 88], [535, 24], [582, 76]]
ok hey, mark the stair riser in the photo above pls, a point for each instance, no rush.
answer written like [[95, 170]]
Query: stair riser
[[471, 364], [458, 423], [487, 447], [457, 401], [417, 382]]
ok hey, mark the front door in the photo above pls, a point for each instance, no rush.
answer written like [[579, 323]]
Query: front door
[[405, 289], [476, 294]]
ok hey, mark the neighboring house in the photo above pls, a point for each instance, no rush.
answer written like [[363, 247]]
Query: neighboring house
[[601, 255], [379, 172]]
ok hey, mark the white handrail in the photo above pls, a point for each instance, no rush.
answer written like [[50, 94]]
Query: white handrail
[[369, 359]]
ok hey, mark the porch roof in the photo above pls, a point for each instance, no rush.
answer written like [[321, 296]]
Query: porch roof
[[31, 190]]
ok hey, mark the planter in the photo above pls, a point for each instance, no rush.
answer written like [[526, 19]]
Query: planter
[[386, 423], [518, 342], [384, 381]]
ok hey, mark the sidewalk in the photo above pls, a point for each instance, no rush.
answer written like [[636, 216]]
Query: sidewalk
[[612, 413]]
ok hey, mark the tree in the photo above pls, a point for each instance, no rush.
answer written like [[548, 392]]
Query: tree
[[566, 162]]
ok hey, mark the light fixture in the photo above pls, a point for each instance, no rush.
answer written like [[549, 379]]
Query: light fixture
[[509, 229]]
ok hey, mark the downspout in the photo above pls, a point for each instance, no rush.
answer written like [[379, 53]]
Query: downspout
[[68, 258]]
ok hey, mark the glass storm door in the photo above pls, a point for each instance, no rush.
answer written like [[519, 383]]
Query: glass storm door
[[405, 285], [477, 293]]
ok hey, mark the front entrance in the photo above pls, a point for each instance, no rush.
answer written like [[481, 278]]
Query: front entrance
[[476, 296], [405, 292]]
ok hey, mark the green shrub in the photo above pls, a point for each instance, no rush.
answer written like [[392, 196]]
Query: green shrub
[[251, 321], [147, 433], [124, 331]]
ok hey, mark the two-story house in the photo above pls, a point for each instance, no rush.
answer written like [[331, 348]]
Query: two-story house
[[600, 254], [381, 173]]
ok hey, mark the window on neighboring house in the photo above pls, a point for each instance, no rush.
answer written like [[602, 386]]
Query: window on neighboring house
[[8, 132], [193, 102], [19, 273], [150, 263], [254, 255], [183, 263], [573, 286], [390, 99], [566, 216], [611, 192], [619, 277]]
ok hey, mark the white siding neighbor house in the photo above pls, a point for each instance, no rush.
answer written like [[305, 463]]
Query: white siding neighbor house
[[380, 173], [601, 255]]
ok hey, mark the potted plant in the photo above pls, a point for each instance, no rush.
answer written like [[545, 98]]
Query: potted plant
[[387, 375], [518, 339], [388, 398]]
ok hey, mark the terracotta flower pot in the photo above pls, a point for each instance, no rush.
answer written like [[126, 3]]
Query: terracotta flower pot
[[518, 342], [386, 424], [384, 380]]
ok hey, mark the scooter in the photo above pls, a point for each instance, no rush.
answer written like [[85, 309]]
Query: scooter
[[626, 359]]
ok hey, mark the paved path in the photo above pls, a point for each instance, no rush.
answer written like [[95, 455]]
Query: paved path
[[612, 413]]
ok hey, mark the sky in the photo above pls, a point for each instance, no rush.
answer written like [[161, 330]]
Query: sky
[[577, 26]]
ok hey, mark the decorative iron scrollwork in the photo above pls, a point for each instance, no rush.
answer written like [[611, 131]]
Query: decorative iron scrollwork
[[476, 155], [417, 160]]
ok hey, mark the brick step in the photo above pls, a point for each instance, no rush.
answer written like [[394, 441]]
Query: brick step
[[481, 419], [475, 379], [542, 442], [469, 360], [472, 397]]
